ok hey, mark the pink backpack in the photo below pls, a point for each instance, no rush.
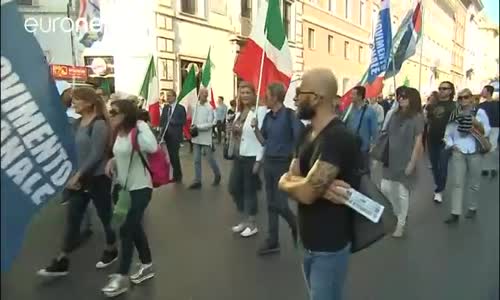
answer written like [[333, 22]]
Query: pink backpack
[[157, 163]]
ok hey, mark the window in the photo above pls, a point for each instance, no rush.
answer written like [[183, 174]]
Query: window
[[161, 44], [330, 45], [346, 49], [361, 54], [188, 6], [362, 12], [163, 22], [162, 68], [347, 9], [246, 8], [311, 35], [287, 18], [345, 85], [331, 5]]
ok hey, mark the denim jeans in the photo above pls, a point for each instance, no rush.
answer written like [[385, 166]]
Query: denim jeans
[[243, 185], [464, 181], [439, 160], [99, 192], [197, 161], [325, 273], [132, 232], [277, 200]]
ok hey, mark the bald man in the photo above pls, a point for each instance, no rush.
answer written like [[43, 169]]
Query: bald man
[[327, 155]]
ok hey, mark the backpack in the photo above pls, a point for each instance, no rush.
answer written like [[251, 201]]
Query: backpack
[[157, 163]]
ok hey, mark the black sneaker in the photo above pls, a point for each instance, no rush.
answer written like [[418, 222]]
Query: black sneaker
[[108, 257], [485, 173], [471, 214], [452, 219], [217, 180], [195, 186], [494, 174], [268, 248], [57, 268]]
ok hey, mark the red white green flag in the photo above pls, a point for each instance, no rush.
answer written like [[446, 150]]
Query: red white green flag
[[268, 35], [206, 78]]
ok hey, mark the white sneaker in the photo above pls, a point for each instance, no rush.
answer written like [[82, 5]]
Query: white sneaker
[[438, 197], [248, 232], [399, 231], [144, 272], [117, 284], [238, 228]]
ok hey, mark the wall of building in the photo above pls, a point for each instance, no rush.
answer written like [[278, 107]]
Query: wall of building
[[334, 41]]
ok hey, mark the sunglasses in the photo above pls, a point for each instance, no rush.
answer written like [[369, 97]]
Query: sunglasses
[[443, 88], [298, 92], [113, 113], [463, 97]]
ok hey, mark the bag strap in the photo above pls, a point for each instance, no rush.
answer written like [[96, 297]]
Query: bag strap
[[135, 147], [361, 119], [128, 170]]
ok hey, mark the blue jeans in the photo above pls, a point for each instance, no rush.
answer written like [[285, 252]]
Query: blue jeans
[[197, 161], [325, 273], [439, 160]]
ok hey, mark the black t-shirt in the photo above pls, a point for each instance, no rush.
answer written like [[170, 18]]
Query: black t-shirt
[[438, 115], [325, 226], [492, 111]]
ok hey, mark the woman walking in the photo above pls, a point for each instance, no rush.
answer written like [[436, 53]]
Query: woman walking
[[405, 129], [465, 161], [89, 183], [132, 176], [243, 181]]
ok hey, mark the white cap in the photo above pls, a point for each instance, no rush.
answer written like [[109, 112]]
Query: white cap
[[62, 86]]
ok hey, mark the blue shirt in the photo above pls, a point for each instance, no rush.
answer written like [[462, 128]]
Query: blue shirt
[[220, 112], [281, 130], [369, 127]]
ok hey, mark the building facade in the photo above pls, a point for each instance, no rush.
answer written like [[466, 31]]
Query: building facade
[[337, 34], [187, 29]]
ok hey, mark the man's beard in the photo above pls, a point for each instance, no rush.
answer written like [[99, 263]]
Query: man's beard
[[306, 112]]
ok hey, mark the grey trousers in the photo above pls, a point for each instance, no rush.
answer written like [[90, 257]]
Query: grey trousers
[[464, 180]]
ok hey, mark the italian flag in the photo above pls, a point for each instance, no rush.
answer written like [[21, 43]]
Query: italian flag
[[268, 38], [206, 78], [149, 91], [188, 96]]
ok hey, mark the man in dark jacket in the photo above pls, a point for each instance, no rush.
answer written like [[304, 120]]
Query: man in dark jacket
[[173, 118]]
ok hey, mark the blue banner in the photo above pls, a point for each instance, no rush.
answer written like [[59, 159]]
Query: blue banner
[[37, 151], [382, 43]]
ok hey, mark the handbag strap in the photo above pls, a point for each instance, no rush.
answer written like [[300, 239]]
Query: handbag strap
[[136, 148]]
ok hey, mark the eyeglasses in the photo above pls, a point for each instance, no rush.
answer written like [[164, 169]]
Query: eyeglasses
[[113, 113], [463, 97], [298, 92], [444, 88]]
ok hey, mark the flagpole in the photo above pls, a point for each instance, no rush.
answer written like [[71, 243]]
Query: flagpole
[[421, 50], [394, 70], [260, 74]]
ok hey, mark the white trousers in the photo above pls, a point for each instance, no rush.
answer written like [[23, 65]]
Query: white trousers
[[490, 159], [399, 196]]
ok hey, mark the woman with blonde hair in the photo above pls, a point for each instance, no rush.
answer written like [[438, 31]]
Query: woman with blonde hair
[[88, 183], [248, 153], [465, 161]]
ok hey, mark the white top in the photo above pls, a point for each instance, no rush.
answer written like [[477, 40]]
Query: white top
[[70, 112], [465, 143], [380, 112], [138, 175], [203, 119], [250, 145]]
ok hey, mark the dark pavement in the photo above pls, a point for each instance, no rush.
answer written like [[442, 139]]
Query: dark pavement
[[196, 256]]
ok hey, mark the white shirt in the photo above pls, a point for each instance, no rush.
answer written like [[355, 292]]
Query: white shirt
[[203, 119], [137, 177], [380, 112], [250, 145], [70, 112], [465, 143]]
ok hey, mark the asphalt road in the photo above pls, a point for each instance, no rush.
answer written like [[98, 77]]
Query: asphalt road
[[196, 256]]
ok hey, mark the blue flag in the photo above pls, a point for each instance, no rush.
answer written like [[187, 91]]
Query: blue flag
[[37, 151], [382, 41]]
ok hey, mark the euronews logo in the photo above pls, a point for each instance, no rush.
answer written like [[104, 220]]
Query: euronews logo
[[63, 24]]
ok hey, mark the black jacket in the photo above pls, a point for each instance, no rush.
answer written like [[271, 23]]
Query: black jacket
[[178, 119]]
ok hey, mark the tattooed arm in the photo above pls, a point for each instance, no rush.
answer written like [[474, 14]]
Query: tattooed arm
[[308, 189]]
